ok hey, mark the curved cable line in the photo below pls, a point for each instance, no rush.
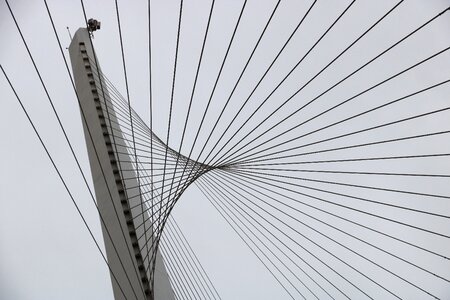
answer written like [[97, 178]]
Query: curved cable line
[[169, 220], [115, 145], [158, 211], [91, 194], [116, 98], [168, 207], [228, 154], [146, 130], [152, 191]]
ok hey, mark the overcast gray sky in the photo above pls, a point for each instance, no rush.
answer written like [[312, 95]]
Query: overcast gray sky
[[46, 253]]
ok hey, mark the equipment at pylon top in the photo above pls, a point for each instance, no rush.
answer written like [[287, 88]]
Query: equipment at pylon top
[[93, 25]]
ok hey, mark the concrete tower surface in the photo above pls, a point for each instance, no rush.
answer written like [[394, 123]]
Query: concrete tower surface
[[121, 210]]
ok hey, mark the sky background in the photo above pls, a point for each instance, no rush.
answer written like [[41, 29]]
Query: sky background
[[46, 253]]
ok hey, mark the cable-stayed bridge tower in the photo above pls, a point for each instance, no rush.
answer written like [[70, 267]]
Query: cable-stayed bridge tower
[[131, 232]]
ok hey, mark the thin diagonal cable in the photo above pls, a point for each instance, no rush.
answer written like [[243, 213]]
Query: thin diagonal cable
[[254, 159], [129, 107], [185, 264], [246, 189], [242, 73], [228, 191], [158, 234], [172, 93], [187, 290], [192, 94], [183, 237], [186, 258], [177, 288], [370, 28], [184, 274], [285, 78], [228, 155], [174, 277], [342, 103], [379, 142], [265, 176], [242, 225], [346, 160], [150, 120], [348, 172], [252, 223], [270, 187], [217, 79], [227, 219], [377, 202]]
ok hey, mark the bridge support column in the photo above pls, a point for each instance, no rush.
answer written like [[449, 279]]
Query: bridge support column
[[119, 208]]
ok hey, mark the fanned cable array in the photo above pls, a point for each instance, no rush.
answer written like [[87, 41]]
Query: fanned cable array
[[336, 179], [160, 182]]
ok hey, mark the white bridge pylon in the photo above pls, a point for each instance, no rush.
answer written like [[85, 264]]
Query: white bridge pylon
[[137, 179]]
